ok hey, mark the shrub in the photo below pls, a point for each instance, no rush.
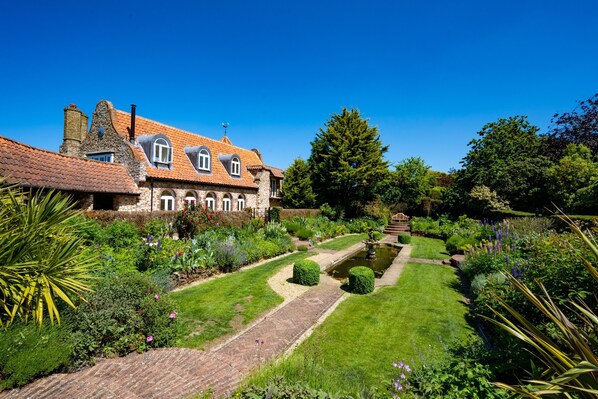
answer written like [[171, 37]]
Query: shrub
[[302, 248], [194, 219], [404, 239], [229, 256], [292, 227], [278, 388], [305, 234], [306, 272], [274, 230], [27, 352], [458, 378], [124, 314], [121, 234], [361, 280], [157, 228], [274, 215], [459, 244]]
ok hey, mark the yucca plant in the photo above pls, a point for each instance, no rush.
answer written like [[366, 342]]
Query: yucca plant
[[571, 361], [41, 256]]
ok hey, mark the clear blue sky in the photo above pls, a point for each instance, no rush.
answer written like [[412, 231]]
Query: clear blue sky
[[429, 74]]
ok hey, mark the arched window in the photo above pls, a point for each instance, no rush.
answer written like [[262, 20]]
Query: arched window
[[162, 151], [241, 203], [203, 159], [210, 201], [190, 198], [226, 203], [235, 167], [167, 201]]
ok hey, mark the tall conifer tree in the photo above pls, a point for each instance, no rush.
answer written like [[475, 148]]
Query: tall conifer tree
[[346, 162], [297, 190]]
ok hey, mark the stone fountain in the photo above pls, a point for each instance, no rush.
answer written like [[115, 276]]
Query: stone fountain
[[370, 244]]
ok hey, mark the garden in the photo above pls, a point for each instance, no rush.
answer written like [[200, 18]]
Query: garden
[[113, 279], [517, 317]]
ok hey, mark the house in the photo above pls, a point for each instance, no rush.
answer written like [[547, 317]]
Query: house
[[92, 183], [169, 166]]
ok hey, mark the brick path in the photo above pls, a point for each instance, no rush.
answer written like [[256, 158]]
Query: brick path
[[175, 372]]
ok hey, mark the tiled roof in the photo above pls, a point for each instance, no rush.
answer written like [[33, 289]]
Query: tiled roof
[[33, 167], [182, 169], [276, 172]]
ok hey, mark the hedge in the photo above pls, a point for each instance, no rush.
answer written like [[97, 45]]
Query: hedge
[[404, 239], [361, 280], [306, 272]]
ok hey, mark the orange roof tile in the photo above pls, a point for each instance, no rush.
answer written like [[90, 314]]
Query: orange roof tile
[[276, 172], [182, 169], [33, 167]]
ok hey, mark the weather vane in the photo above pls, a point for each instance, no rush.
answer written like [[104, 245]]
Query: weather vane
[[225, 125]]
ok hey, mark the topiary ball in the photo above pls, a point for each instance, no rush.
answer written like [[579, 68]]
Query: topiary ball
[[306, 272], [404, 239], [361, 280]]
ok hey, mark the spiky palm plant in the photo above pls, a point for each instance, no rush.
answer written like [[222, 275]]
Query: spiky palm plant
[[571, 361], [41, 256]]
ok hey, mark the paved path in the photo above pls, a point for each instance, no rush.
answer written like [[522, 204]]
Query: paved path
[[176, 372]]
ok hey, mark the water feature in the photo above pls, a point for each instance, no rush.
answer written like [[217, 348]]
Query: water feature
[[384, 256]]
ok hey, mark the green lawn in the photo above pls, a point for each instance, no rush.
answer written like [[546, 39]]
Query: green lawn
[[343, 242], [356, 345], [218, 307], [428, 248]]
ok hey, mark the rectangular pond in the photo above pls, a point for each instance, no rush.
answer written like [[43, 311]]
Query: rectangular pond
[[385, 255]]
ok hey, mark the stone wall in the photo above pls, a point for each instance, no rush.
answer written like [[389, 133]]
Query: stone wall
[[103, 137], [180, 191], [126, 203], [262, 179]]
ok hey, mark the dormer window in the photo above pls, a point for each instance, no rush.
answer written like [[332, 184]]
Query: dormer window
[[235, 166], [231, 163], [200, 157], [203, 159], [162, 151]]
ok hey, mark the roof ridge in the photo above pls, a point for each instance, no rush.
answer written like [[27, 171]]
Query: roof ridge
[[182, 130], [54, 152]]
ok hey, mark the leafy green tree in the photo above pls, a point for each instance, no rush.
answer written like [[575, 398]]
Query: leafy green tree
[[297, 190], [577, 127], [346, 162], [506, 158], [42, 258], [500, 144], [575, 171], [408, 184]]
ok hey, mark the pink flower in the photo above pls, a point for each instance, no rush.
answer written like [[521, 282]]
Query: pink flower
[[150, 338], [172, 315], [149, 290], [156, 297]]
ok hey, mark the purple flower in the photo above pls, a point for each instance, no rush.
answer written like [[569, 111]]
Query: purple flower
[[173, 315], [156, 297], [149, 338]]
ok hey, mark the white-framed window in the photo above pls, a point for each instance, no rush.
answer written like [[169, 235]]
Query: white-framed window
[[240, 203], [210, 201], [102, 156], [190, 198], [203, 159], [167, 201], [235, 166], [226, 203], [162, 151]]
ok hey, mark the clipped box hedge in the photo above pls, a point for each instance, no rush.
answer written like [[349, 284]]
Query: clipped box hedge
[[306, 272], [361, 280], [404, 238]]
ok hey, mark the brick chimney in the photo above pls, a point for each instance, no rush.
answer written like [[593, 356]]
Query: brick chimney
[[75, 130]]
